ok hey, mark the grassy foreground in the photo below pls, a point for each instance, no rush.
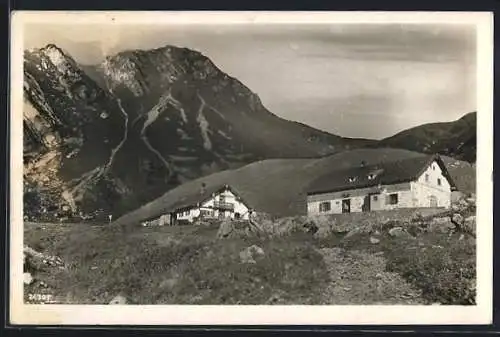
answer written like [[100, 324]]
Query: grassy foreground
[[176, 265], [190, 265]]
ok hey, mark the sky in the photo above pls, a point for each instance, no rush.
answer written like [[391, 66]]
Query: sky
[[353, 80]]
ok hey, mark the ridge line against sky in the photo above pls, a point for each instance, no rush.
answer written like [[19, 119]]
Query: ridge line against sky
[[353, 80]]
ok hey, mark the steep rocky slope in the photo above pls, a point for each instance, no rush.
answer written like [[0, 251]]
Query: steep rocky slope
[[113, 136]]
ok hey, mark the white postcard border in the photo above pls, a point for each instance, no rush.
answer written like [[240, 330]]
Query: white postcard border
[[481, 313]]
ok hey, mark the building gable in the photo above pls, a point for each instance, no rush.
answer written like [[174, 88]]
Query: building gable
[[436, 174], [210, 197]]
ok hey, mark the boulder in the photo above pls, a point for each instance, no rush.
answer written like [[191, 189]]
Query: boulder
[[27, 278], [457, 219], [352, 232], [256, 250], [249, 254], [322, 233], [396, 231], [470, 220], [274, 299], [310, 227], [470, 224], [389, 224], [462, 203], [331, 223], [440, 220], [169, 283], [261, 223], [399, 232], [246, 257], [441, 225], [39, 260], [118, 300]]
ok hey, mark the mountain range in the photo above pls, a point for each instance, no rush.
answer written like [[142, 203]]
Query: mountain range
[[113, 136]]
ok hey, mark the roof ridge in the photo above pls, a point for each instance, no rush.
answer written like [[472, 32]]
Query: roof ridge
[[393, 171], [382, 162]]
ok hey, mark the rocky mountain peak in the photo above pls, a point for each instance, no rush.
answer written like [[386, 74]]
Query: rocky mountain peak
[[52, 58], [140, 70]]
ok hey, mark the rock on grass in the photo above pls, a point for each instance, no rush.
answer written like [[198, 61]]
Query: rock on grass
[[249, 254], [118, 300]]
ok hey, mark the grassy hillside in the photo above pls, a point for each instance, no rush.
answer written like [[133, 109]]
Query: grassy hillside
[[359, 261], [277, 186]]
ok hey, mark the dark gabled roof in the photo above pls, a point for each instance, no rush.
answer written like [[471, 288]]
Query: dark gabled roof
[[198, 197], [386, 173]]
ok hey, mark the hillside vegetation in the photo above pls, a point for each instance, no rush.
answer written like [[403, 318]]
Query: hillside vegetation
[[456, 139]]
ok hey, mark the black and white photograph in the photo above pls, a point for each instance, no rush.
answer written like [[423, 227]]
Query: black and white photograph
[[188, 168]]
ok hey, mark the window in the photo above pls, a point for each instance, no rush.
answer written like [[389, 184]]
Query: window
[[206, 212], [439, 181], [426, 178], [237, 215], [371, 176], [375, 197], [392, 199], [325, 206], [433, 167], [352, 179]]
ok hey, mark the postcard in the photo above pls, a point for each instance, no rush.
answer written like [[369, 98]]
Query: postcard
[[251, 168]]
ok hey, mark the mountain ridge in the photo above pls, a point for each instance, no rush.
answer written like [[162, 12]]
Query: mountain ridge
[[143, 122], [455, 138]]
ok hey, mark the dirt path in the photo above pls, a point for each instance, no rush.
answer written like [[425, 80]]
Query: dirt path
[[360, 278]]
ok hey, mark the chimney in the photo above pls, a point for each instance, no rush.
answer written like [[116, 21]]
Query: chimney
[[203, 188]]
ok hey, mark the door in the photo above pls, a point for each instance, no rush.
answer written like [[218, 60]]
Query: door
[[366, 204], [346, 206], [433, 201]]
